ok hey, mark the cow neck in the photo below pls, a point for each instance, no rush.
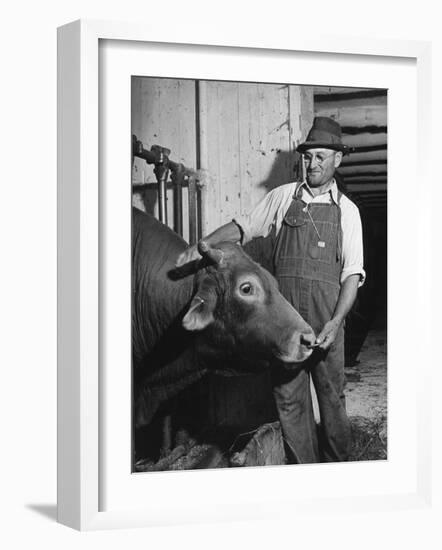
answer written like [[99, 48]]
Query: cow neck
[[185, 289]]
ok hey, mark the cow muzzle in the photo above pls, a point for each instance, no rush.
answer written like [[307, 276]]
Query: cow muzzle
[[298, 347]]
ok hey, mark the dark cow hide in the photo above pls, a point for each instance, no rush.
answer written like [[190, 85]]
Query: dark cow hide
[[222, 313]]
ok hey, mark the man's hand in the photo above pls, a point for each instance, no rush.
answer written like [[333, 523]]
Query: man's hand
[[328, 334], [191, 253], [346, 299]]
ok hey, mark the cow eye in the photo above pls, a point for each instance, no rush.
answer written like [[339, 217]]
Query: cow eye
[[246, 289]]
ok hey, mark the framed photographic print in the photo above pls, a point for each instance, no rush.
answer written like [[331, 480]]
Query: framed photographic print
[[231, 244]]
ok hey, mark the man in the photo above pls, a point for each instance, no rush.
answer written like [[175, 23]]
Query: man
[[318, 262]]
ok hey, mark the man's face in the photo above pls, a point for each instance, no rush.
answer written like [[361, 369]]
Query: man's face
[[321, 165]]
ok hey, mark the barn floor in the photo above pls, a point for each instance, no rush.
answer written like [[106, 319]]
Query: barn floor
[[366, 388], [366, 395]]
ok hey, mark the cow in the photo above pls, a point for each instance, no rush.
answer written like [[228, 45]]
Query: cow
[[219, 313]]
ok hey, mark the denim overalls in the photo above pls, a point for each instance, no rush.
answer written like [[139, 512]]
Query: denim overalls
[[308, 269]]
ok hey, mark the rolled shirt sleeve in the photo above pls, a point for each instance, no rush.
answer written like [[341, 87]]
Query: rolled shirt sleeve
[[352, 245]]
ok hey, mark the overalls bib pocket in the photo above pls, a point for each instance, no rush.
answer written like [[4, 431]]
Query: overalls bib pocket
[[293, 219], [296, 225]]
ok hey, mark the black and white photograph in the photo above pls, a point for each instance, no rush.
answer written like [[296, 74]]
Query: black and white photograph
[[220, 282], [259, 274]]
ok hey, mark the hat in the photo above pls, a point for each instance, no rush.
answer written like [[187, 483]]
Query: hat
[[325, 133]]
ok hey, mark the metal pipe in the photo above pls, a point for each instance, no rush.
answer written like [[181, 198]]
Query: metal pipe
[[152, 156], [199, 212], [139, 151], [177, 180], [303, 171], [202, 131], [161, 171], [159, 156], [193, 237]]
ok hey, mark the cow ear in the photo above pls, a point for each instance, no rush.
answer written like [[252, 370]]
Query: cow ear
[[199, 315]]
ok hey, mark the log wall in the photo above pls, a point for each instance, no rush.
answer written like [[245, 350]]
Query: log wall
[[362, 114]]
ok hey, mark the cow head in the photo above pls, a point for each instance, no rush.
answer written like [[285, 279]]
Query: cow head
[[237, 306]]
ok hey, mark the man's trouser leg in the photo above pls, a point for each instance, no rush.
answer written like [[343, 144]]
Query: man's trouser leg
[[294, 403], [329, 380]]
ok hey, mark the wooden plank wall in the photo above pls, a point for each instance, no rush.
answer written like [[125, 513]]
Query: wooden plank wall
[[248, 136], [241, 135], [249, 132], [163, 113]]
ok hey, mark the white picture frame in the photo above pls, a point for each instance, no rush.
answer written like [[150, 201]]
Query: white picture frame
[[79, 295]]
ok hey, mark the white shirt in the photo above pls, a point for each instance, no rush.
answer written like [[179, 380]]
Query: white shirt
[[271, 210]]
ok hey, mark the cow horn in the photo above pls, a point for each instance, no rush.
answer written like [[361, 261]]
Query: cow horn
[[214, 254]]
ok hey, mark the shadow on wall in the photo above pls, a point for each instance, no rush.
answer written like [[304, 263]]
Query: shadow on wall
[[284, 170]]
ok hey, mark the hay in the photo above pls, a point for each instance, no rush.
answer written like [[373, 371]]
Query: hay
[[369, 438], [266, 448]]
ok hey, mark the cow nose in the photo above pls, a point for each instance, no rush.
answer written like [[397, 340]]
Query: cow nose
[[308, 339], [298, 347]]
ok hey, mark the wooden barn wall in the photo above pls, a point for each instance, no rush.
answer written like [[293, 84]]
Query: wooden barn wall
[[163, 113], [248, 136], [242, 137], [249, 132]]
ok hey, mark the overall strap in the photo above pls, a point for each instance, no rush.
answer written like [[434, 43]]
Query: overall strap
[[298, 191], [339, 247]]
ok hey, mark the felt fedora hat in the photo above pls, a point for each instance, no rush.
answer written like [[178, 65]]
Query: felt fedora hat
[[324, 134]]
